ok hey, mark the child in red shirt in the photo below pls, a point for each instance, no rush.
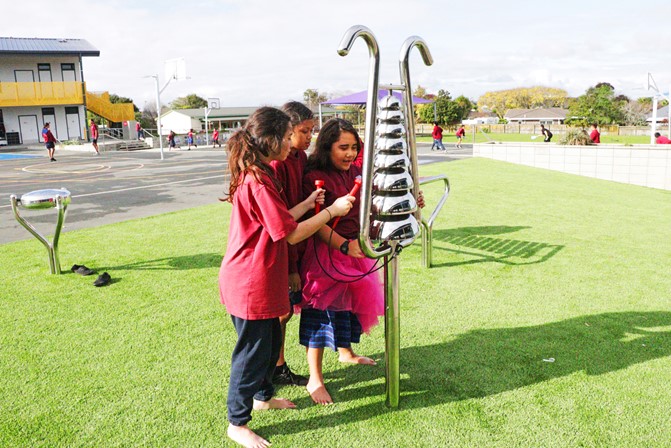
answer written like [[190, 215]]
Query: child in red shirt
[[595, 135], [290, 174], [254, 273]]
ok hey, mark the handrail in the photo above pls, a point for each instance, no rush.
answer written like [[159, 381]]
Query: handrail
[[410, 43], [427, 235]]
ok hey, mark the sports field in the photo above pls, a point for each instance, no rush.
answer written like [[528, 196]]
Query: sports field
[[545, 322]]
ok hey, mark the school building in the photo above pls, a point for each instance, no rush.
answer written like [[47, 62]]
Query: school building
[[181, 121], [42, 80]]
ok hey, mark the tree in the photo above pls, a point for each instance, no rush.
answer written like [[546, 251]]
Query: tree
[[116, 99], [312, 97], [502, 101], [191, 101], [448, 111], [420, 92], [635, 113], [147, 117], [598, 105]]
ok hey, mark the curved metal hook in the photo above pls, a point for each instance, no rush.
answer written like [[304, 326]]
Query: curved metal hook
[[410, 43], [371, 107]]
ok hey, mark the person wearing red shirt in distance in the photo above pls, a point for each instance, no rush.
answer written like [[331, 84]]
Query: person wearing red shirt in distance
[[290, 174], [215, 137], [437, 135], [49, 141], [94, 136], [595, 135], [254, 272], [661, 140]]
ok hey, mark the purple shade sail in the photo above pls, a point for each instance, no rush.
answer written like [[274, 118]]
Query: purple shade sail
[[360, 98]]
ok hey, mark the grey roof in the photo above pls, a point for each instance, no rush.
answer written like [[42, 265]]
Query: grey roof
[[232, 113], [554, 113], [20, 45], [662, 114]]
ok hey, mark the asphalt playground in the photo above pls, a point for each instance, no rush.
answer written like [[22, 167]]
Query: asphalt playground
[[118, 186]]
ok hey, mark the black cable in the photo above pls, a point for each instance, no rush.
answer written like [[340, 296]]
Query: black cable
[[356, 277]]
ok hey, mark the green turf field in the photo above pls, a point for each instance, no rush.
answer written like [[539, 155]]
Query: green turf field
[[530, 266]]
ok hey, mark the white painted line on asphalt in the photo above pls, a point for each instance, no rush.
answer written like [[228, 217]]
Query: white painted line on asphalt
[[138, 188]]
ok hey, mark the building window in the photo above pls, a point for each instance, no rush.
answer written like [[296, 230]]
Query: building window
[[67, 66], [44, 67]]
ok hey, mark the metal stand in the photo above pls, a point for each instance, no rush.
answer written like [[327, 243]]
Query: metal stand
[[388, 212], [43, 199]]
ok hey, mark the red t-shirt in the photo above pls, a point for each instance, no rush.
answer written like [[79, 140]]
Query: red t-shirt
[[595, 136], [337, 183], [254, 279], [461, 132], [662, 140], [437, 133], [215, 134], [290, 174], [94, 131]]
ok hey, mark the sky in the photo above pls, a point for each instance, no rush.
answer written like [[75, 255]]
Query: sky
[[265, 52]]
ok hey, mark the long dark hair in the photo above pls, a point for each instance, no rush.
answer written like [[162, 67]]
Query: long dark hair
[[262, 135], [320, 159]]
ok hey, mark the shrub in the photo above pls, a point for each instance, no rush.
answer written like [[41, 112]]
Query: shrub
[[576, 137]]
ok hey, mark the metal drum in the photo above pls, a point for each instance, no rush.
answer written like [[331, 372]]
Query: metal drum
[[40, 200]]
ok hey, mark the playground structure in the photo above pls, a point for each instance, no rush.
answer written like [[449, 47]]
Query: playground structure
[[44, 199], [389, 216]]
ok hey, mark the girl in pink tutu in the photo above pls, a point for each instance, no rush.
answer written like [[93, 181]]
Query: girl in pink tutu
[[339, 300]]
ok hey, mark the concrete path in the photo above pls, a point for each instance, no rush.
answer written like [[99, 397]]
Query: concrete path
[[118, 186]]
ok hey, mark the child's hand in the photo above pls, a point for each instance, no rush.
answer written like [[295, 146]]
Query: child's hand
[[420, 199], [316, 196], [294, 282], [342, 205]]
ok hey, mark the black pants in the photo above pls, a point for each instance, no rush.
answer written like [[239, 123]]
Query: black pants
[[252, 366]]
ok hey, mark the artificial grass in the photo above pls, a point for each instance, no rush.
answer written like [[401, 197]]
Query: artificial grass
[[529, 265]]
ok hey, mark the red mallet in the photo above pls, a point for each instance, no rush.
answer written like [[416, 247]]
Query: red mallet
[[318, 184], [353, 192]]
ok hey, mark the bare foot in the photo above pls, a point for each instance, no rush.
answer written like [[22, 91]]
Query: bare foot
[[318, 393], [273, 403], [348, 355], [246, 437]]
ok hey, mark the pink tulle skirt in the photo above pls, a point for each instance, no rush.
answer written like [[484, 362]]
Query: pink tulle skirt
[[336, 291]]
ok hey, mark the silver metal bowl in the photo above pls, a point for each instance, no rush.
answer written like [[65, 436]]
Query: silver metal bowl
[[390, 130], [394, 230], [389, 102], [391, 116], [394, 205], [383, 160], [399, 180], [41, 199], [391, 144]]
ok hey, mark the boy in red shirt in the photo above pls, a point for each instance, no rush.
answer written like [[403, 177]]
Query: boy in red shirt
[[49, 141], [290, 174], [437, 135], [661, 140]]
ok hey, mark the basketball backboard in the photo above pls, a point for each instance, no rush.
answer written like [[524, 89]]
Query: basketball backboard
[[213, 103], [175, 69]]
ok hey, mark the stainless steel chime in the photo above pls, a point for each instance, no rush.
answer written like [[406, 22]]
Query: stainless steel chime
[[389, 216], [39, 200]]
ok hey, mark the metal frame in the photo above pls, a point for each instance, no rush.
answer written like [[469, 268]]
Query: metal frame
[[427, 225], [61, 205], [389, 249]]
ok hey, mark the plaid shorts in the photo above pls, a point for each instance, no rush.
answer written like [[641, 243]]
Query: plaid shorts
[[332, 329]]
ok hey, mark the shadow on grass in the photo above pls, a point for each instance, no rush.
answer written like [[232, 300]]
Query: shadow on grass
[[478, 242], [487, 362], [199, 261]]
